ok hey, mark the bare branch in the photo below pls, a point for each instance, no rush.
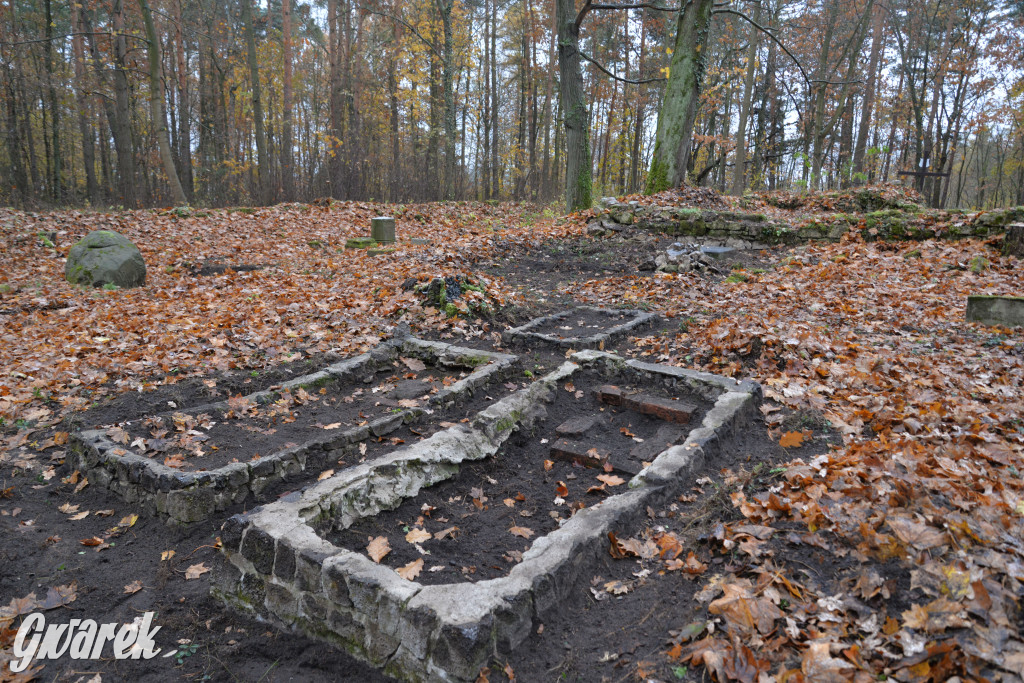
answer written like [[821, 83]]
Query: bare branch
[[404, 23], [620, 78], [642, 5], [768, 33]]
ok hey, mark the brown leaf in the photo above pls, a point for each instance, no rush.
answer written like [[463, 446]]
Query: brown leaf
[[611, 479], [819, 666], [195, 571], [445, 533], [935, 617], [917, 534], [523, 531], [414, 364], [745, 610], [133, 587], [418, 535], [791, 440], [94, 541], [411, 570], [378, 548]]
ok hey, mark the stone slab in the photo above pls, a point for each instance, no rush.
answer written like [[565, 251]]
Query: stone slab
[[996, 310], [576, 426]]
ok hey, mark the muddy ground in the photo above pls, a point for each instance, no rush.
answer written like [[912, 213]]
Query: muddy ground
[[147, 565]]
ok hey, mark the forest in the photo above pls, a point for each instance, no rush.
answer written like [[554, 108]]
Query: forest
[[138, 103]]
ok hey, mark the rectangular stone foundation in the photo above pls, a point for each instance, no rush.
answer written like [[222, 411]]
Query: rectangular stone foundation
[[187, 497], [278, 566], [527, 334]]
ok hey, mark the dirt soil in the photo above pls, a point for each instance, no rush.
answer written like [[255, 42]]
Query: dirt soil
[[494, 508]]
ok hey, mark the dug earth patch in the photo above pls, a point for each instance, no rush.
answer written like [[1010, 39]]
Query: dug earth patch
[[374, 593]]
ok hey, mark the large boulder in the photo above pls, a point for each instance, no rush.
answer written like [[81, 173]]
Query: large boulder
[[105, 257]]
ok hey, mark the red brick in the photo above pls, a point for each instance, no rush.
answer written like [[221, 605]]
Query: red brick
[[666, 409], [610, 394]]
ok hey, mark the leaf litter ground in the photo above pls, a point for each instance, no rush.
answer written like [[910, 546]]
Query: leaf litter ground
[[897, 553]]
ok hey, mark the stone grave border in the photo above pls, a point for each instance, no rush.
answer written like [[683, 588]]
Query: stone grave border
[[524, 334], [279, 568], [193, 496]]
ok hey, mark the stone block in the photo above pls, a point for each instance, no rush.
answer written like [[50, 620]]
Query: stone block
[[258, 548], [996, 310], [382, 229]]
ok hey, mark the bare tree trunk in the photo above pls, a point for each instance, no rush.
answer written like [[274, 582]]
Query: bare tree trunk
[[444, 9], [574, 107], [156, 102], [81, 99], [57, 167], [262, 160], [117, 109], [184, 107], [739, 170], [877, 26], [679, 108], [287, 170]]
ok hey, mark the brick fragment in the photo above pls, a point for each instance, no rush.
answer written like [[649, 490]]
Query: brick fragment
[[610, 394], [666, 409]]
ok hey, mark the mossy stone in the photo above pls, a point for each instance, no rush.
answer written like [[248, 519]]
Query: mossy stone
[[105, 257]]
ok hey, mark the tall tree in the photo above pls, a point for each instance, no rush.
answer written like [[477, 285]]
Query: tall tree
[[679, 107], [578, 182], [286, 113], [156, 102], [262, 159]]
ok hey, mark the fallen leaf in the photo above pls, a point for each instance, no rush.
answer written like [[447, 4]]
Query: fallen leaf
[[326, 474], [166, 555], [333, 425], [523, 531], [133, 587], [611, 479], [418, 535], [791, 440], [378, 548], [411, 570], [414, 364], [195, 571]]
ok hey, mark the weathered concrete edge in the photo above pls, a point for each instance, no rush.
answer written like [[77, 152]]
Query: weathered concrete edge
[[188, 497]]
